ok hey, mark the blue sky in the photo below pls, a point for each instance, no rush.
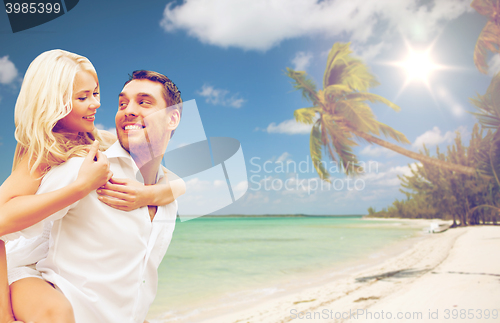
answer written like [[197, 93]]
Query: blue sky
[[230, 57]]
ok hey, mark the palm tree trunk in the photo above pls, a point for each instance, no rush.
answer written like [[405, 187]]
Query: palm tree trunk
[[424, 159]]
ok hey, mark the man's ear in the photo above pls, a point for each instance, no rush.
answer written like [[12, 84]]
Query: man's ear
[[174, 119]]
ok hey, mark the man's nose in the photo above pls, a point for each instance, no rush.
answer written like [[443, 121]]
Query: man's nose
[[132, 109]]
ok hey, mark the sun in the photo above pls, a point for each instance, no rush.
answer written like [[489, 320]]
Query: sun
[[418, 66]]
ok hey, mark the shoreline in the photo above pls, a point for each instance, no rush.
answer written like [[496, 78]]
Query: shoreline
[[375, 287], [240, 300]]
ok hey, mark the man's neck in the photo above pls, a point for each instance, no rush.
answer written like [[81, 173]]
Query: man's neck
[[149, 170]]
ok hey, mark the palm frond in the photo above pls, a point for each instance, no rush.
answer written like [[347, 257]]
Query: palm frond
[[484, 7], [339, 145], [393, 133], [373, 98], [488, 105], [357, 115], [315, 146], [357, 76], [302, 82], [336, 61], [489, 39], [306, 115], [336, 90], [343, 68]]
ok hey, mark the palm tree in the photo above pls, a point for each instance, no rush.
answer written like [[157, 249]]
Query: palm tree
[[341, 116], [489, 38]]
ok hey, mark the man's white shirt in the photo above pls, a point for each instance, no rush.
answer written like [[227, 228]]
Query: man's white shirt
[[105, 260]]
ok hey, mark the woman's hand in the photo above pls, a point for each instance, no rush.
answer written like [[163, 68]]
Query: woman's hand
[[11, 320], [94, 171], [124, 194]]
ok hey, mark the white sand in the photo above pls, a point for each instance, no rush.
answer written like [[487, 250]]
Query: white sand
[[455, 270]]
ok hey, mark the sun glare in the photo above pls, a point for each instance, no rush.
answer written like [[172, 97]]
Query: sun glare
[[418, 66]]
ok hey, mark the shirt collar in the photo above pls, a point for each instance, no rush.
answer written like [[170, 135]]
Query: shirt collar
[[116, 151]]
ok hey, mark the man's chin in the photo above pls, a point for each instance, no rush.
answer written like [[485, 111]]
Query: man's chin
[[124, 144]]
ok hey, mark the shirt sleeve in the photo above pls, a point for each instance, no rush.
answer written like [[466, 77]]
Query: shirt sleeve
[[58, 177]]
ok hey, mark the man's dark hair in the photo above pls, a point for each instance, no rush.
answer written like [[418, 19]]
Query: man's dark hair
[[171, 93]]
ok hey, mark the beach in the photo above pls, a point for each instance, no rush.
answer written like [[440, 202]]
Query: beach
[[453, 276]]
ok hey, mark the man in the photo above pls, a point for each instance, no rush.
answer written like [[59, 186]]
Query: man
[[102, 259]]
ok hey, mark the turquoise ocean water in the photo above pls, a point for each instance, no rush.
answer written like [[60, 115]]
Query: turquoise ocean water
[[214, 262]]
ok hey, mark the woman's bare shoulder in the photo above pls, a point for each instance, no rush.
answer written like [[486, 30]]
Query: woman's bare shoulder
[[21, 182]]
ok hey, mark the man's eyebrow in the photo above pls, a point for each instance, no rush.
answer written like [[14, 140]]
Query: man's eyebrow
[[146, 95], [121, 95]]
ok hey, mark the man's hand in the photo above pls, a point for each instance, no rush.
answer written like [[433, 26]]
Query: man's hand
[[123, 194]]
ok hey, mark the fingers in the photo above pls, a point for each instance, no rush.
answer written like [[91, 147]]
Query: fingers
[[119, 181], [110, 175], [94, 149], [116, 187], [115, 203], [101, 157], [114, 194]]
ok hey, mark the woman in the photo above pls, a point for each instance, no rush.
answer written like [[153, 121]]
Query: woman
[[54, 118]]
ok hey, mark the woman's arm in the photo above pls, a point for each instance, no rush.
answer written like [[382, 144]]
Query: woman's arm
[[126, 194], [20, 208]]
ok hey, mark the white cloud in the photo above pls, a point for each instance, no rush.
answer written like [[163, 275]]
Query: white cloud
[[301, 61], [262, 24], [219, 183], [220, 97], [284, 156], [494, 65], [389, 177], [449, 101], [434, 137], [375, 151], [367, 53], [103, 127], [241, 187], [8, 71], [289, 127]]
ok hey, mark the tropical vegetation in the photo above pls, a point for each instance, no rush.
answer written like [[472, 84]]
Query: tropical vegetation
[[489, 38], [341, 116], [434, 192]]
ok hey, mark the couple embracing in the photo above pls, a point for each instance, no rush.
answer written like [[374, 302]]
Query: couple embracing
[[87, 218]]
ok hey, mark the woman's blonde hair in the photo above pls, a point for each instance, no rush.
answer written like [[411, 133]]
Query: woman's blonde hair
[[45, 99]]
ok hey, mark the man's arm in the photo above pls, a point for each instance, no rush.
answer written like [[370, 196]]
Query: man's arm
[[127, 194], [167, 190]]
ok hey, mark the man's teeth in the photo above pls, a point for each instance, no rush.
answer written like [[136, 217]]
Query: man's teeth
[[88, 117], [133, 127]]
